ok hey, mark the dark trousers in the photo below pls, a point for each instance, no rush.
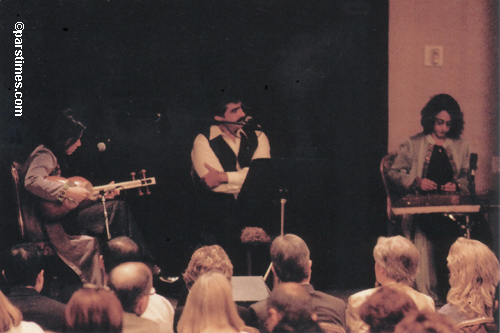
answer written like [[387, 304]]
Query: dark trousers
[[91, 221]]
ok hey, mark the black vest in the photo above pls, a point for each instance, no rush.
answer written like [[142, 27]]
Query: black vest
[[225, 154]]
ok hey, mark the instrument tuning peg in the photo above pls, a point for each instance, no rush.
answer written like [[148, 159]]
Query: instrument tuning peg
[[133, 178], [143, 171]]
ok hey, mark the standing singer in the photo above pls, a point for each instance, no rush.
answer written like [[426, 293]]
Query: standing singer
[[221, 157]]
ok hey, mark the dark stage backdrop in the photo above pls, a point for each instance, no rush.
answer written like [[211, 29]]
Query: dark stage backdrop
[[142, 75]]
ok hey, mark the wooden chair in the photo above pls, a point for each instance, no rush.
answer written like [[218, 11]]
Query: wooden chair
[[27, 231], [15, 171], [478, 325], [331, 328], [385, 166]]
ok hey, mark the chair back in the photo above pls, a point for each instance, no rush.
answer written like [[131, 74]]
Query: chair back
[[478, 325], [385, 166], [331, 328], [29, 225], [15, 170]]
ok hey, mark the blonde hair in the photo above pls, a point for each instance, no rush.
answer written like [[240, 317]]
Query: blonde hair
[[474, 275], [205, 259], [399, 257], [10, 316], [210, 304]]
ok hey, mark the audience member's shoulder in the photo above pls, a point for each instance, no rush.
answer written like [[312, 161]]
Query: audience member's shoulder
[[26, 327], [134, 324], [360, 296], [329, 298], [423, 301]]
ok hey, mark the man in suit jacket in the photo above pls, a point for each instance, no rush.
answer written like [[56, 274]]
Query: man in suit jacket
[[23, 271], [290, 257], [132, 283]]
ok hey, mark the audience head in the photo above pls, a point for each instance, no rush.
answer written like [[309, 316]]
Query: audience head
[[290, 258], [132, 283], [10, 316], [290, 309], [383, 310], [425, 323], [396, 259], [438, 103], [24, 266], [474, 276], [120, 250], [210, 306], [94, 310], [207, 259]]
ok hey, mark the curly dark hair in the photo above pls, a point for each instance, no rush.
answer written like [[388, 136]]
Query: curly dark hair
[[438, 103], [63, 132]]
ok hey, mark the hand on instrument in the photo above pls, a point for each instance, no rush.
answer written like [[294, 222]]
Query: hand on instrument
[[77, 193], [112, 194], [214, 177], [426, 184], [449, 187]]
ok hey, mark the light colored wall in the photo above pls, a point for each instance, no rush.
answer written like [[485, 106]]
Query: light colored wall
[[468, 32]]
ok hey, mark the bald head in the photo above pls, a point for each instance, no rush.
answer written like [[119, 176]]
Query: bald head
[[132, 282]]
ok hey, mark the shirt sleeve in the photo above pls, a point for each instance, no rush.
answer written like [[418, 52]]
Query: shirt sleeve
[[202, 153], [42, 165], [400, 172]]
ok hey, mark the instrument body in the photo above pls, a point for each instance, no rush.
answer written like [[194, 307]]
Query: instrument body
[[51, 210]]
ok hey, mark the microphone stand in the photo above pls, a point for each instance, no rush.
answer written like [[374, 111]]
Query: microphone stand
[[106, 221], [283, 193]]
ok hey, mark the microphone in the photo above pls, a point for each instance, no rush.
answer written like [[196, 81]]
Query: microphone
[[247, 123], [472, 174], [250, 124], [101, 146]]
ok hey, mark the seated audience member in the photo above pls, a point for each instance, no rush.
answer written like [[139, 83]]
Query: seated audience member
[[94, 310], [396, 262], [474, 276], [132, 283], [11, 319], [291, 263], [210, 258], [383, 310], [425, 323], [24, 273], [290, 309], [123, 249], [210, 307]]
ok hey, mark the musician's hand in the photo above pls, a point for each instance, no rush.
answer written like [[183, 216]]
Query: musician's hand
[[112, 194], [214, 177], [449, 187], [77, 193], [427, 185]]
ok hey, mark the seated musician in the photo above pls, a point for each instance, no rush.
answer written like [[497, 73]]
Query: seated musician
[[434, 161], [77, 251]]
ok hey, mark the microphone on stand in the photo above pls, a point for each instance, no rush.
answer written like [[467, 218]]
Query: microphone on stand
[[472, 174], [101, 146], [251, 124]]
